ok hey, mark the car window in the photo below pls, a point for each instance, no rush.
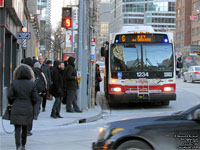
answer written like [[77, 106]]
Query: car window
[[197, 69]]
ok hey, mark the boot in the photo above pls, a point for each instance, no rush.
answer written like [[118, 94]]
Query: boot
[[53, 116], [59, 116], [23, 148], [18, 148]]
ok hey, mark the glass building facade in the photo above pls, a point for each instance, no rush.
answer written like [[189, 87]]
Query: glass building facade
[[160, 14]]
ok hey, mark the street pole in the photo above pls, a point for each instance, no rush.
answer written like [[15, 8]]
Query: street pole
[[82, 58]]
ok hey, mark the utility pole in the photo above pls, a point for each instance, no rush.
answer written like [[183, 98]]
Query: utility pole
[[82, 61]]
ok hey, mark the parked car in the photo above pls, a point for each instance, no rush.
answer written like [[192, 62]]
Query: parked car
[[192, 74], [180, 130]]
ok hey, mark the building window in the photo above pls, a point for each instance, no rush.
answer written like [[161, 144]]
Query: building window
[[178, 36], [178, 13], [182, 23], [139, 7], [104, 29], [198, 42], [194, 32], [195, 6], [194, 43], [125, 21], [199, 31], [182, 12], [136, 21], [182, 2], [182, 35]]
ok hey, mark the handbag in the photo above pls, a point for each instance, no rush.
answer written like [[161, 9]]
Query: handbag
[[7, 114]]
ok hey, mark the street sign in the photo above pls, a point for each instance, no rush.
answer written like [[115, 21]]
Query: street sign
[[24, 35], [194, 18]]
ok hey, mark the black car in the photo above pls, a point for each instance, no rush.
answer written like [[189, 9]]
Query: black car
[[179, 131]]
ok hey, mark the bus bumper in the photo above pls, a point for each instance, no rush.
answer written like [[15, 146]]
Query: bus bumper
[[152, 97]]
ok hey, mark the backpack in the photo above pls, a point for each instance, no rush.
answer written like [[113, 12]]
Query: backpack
[[39, 81]]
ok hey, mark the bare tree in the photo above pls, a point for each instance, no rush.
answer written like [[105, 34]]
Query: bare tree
[[57, 40]]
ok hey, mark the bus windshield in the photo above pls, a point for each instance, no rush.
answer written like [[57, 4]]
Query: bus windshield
[[141, 57]]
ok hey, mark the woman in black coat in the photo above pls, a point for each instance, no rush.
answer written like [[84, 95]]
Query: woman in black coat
[[97, 80], [22, 95]]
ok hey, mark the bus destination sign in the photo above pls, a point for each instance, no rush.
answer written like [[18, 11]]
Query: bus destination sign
[[150, 38]]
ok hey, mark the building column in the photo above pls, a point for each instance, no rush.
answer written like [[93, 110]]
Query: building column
[[2, 51]]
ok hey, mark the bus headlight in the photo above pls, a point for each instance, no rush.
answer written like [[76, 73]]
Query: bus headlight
[[116, 89]]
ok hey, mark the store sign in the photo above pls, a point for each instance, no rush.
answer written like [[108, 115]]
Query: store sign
[[1, 3], [68, 39], [193, 17]]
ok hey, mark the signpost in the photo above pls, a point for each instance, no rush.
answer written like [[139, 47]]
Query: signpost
[[24, 35]]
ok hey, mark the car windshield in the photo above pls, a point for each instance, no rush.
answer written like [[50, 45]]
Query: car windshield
[[197, 68], [146, 57]]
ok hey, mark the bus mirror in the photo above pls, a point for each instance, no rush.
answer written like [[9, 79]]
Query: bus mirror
[[103, 52]]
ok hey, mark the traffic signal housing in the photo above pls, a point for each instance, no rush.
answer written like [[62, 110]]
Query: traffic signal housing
[[66, 17]]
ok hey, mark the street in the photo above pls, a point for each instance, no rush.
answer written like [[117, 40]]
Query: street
[[81, 136]]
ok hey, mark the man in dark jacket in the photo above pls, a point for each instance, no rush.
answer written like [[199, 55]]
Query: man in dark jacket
[[71, 85], [58, 88], [46, 70]]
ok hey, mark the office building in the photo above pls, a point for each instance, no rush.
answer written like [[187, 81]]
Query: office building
[[160, 14]]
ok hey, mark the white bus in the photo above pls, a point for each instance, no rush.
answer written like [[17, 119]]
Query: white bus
[[140, 66]]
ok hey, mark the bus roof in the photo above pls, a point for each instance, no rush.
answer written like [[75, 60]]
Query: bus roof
[[138, 29]]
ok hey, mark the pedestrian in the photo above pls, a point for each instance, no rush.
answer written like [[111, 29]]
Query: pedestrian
[[64, 101], [71, 85], [98, 79], [58, 90], [40, 81], [50, 64], [29, 61], [22, 96], [34, 60], [46, 70]]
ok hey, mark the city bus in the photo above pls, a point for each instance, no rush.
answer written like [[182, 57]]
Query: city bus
[[139, 67]]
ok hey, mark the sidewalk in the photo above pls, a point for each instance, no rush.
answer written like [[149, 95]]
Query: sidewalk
[[45, 122]]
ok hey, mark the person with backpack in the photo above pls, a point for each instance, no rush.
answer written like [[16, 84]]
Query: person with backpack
[[40, 81], [28, 61]]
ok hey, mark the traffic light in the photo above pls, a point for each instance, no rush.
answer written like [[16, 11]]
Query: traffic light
[[66, 17]]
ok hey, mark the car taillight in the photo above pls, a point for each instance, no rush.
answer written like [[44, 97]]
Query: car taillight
[[168, 89], [196, 72], [116, 89]]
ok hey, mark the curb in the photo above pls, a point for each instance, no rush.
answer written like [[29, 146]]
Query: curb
[[85, 120]]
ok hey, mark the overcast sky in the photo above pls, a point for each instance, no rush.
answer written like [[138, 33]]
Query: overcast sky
[[56, 11]]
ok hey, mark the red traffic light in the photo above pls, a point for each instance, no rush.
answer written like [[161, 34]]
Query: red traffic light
[[68, 22]]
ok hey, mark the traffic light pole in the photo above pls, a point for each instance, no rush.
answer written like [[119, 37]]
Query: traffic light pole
[[82, 59]]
